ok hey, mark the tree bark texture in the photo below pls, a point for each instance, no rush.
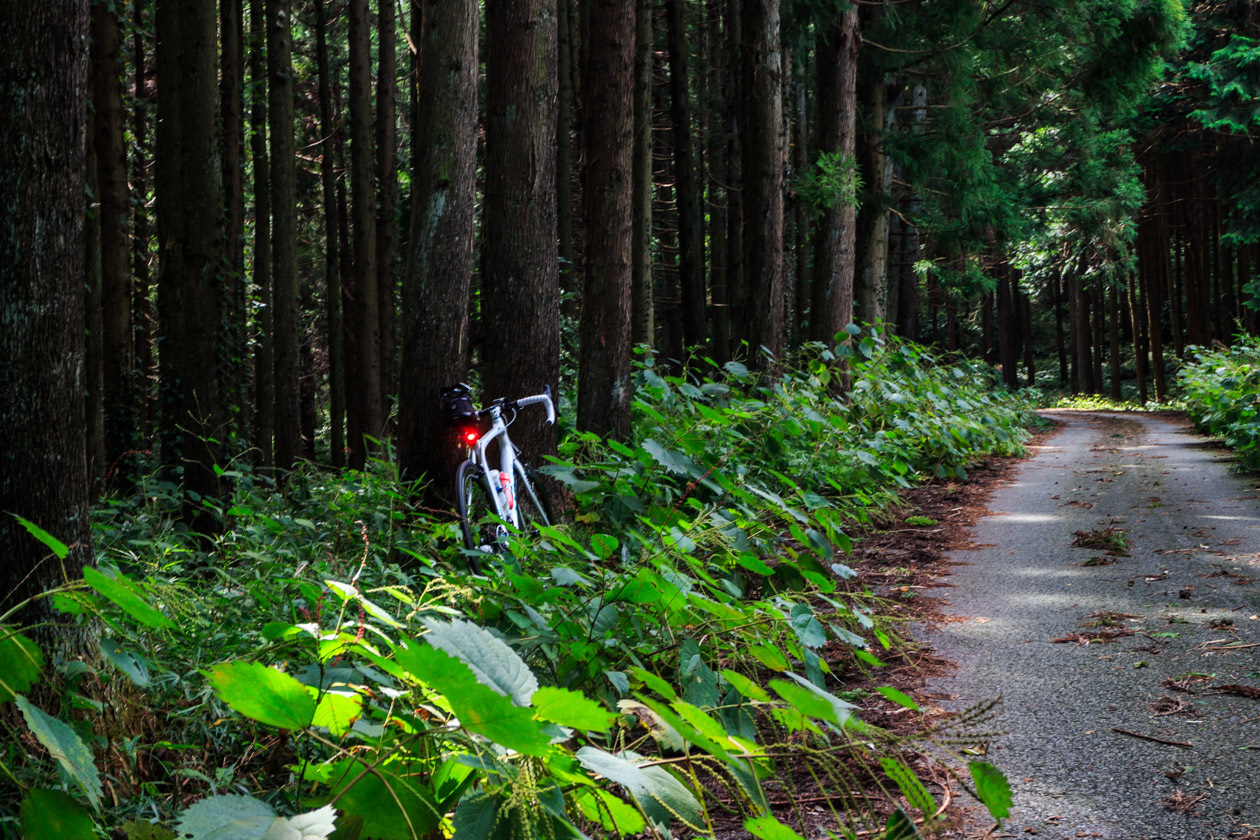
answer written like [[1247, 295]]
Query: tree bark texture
[[440, 258], [234, 349], [520, 305], [643, 329], [686, 185], [332, 269], [387, 187], [264, 358], [43, 466], [284, 276], [761, 137], [604, 388]]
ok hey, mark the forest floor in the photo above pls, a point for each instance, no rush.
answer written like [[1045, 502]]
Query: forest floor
[[1110, 596]]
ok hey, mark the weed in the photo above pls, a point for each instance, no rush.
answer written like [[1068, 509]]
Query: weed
[[1110, 539]]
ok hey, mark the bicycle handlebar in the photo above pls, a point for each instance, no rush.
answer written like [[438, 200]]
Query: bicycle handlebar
[[545, 399]]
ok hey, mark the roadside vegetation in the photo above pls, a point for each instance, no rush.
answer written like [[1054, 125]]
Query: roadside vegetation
[[1222, 395], [674, 658]]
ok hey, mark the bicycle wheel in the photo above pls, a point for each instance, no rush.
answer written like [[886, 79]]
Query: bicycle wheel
[[474, 508], [532, 509]]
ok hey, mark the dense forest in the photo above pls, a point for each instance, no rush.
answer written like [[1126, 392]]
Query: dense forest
[[247, 241]]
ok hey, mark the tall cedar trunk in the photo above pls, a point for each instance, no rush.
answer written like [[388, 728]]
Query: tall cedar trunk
[[1153, 259], [1137, 321], [565, 14], [166, 187], [736, 287], [1098, 317], [94, 345], [717, 46], [1030, 351], [365, 380], [686, 184], [1008, 327], [668, 297], [761, 136], [43, 465], [117, 352], [837, 135], [1174, 282], [264, 358], [198, 205], [332, 269], [1080, 368], [1056, 281], [1244, 287], [1113, 341], [233, 348], [520, 306], [284, 285], [643, 322], [140, 240], [604, 388], [871, 273], [440, 253], [387, 184], [306, 393], [800, 216], [987, 346]]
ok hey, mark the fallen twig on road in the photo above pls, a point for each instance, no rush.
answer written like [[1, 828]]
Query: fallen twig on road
[[1152, 738]]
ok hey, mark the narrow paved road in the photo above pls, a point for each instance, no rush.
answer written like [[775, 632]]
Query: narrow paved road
[[1189, 592]]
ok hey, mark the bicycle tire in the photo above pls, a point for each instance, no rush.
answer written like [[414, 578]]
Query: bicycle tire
[[472, 503], [532, 510]]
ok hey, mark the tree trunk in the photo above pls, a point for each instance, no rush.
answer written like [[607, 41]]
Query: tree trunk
[[140, 241], [264, 359], [284, 276], [566, 16], [387, 184], [520, 285], [686, 185], [736, 287], [837, 136], [604, 388], [1137, 322], [1056, 281], [800, 217], [1096, 306], [365, 379], [332, 269], [1113, 340], [94, 330], [761, 133], [871, 273], [233, 349], [439, 261], [718, 46], [1008, 326], [117, 360], [1030, 352], [43, 464], [643, 322]]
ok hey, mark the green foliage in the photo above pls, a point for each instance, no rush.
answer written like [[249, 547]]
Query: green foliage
[[333, 654], [833, 181], [1222, 395]]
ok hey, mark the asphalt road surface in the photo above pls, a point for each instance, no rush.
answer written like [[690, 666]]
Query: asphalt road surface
[[1188, 591]]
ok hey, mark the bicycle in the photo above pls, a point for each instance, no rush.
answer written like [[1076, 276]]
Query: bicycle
[[493, 503]]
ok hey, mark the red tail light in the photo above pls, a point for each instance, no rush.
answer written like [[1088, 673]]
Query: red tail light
[[470, 436]]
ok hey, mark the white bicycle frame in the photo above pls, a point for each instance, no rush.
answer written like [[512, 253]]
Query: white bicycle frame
[[501, 483]]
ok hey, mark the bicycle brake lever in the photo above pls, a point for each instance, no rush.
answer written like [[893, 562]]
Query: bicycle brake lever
[[551, 406]]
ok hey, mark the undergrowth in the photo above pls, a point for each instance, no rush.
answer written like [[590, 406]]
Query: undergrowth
[[674, 657], [1222, 396]]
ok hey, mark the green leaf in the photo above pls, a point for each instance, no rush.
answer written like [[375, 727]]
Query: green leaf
[[658, 792], [771, 657], [813, 701], [745, 686], [900, 827], [807, 627], [390, 802], [604, 545], [897, 697], [494, 663], [226, 817], [141, 830], [129, 663], [476, 817], [53, 544], [479, 708], [128, 597], [768, 828], [263, 694], [337, 711], [911, 788], [672, 461], [992, 789], [655, 683], [570, 708], [612, 813], [52, 815], [21, 662], [66, 747]]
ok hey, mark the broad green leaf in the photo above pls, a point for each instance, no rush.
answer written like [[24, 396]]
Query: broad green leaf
[[772, 658], [911, 788], [21, 662], [900, 827], [492, 662], [337, 711], [128, 597], [768, 828], [570, 708], [52, 815], [612, 813], [391, 803], [479, 708], [672, 461], [812, 700], [129, 663], [807, 627], [226, 817], [657, 791], [66, 747], [56, 546], [897, 697], [992, 789], [662, 730], [477, 817], [263, 694], [141, 830], [745, 686], [604, 545], [654, 682]]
